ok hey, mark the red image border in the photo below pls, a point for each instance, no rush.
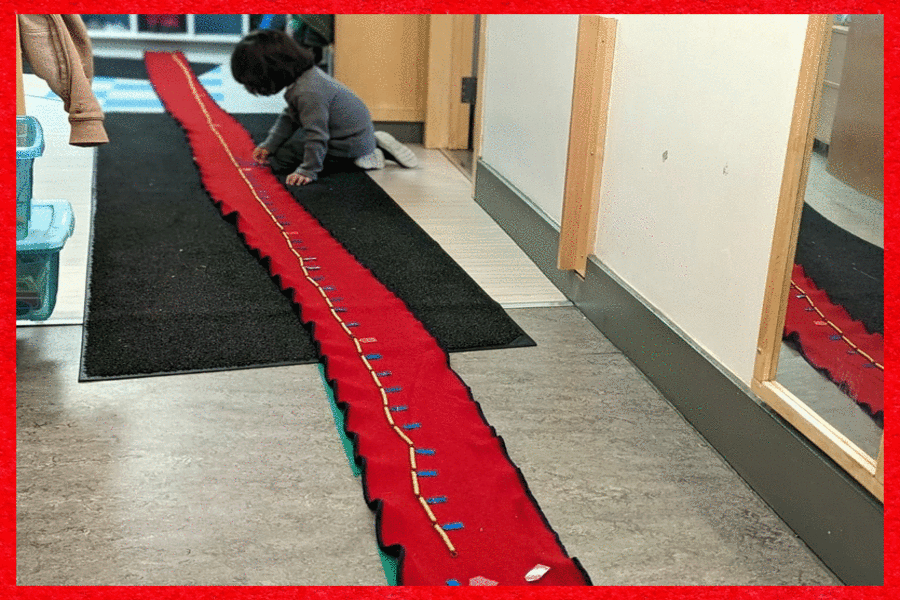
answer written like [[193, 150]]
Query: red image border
[[8, 586]]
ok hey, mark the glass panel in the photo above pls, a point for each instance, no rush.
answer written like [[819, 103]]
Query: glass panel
[[162, 23], [106, 22], [832, 358], [217, 24]]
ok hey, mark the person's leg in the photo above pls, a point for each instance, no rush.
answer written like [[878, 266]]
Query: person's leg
[[288, 157], [372, 161], [395, 151]]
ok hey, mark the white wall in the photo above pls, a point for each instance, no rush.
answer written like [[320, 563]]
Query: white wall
[[700, 109], [527, 103]]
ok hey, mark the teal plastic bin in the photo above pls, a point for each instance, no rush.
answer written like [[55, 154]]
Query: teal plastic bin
[[37, 259], [29, 145]]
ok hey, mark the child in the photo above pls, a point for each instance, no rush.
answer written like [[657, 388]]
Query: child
[[322, 115]]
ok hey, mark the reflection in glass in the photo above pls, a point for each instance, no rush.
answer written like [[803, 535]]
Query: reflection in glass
[[162, 23], [832, 358], [217, 24], [117, 23]]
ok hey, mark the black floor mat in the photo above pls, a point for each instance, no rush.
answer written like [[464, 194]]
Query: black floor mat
[[376, 230], [849, 269], [173, 289]]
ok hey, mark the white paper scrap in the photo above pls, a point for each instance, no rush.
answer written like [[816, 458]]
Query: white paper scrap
[[537, 572]]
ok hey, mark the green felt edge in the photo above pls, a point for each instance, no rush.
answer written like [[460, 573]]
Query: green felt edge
[[388, 563]]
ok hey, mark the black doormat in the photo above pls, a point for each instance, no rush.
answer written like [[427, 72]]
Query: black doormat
[[849, 269], [126, 68], [173, 289], [401, 255]]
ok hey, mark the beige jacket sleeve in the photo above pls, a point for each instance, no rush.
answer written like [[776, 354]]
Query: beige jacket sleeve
[[59, 51]]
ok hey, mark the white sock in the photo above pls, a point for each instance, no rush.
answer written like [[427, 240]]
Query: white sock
[[395, 150], [372, 161]]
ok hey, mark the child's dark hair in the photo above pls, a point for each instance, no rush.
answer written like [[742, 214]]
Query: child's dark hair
[[266, 61]]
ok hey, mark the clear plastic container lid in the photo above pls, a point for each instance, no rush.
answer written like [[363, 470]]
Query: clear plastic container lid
[[52, 222], [29, 138]]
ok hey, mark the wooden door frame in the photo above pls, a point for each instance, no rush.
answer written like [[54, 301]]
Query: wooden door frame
[[587, 141], [867, 470], [450, 39]]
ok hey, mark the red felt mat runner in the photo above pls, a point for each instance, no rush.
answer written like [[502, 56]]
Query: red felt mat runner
[[833, 342], [449, 499]]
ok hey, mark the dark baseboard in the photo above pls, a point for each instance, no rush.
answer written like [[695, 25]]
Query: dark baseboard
[[407, 132], [840, 521]]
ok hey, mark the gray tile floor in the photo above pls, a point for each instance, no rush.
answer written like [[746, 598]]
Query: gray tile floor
[[227, 478], [239, 478]]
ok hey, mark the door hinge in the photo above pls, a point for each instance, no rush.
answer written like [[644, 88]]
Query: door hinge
[[469, 88]]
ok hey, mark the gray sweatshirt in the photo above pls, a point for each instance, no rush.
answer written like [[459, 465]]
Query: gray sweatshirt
[[331, 119]]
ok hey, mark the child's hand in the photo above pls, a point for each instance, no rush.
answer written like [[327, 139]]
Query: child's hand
[[297, 179], [260, 155]]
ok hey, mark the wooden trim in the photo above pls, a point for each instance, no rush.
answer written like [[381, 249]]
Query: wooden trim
[[879, 466], [793, 189], [461, 66], [20, 87], [844, 452], [587, 137], [450, 40], [437, 117]]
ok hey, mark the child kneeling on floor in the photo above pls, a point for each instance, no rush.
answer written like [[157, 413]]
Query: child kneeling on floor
[[322, 117]]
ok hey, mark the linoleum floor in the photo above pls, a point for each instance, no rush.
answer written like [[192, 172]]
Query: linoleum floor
[[239, 478]]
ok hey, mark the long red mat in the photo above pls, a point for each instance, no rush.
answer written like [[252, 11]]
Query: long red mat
[[833, 342], [449, 501]]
